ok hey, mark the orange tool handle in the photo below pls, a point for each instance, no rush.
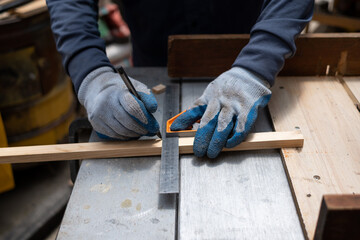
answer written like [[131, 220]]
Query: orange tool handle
[[181, 133]]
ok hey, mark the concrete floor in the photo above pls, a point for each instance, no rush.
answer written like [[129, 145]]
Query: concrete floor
[[35, 207]]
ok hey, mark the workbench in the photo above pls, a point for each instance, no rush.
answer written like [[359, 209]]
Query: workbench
[[239, 195]]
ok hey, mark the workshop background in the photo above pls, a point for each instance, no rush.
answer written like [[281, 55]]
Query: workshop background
[[37, 104]]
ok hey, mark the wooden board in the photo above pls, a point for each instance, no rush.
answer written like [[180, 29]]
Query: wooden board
[[339, 218], [353, 85], [329, 161], [351, 24], [31, 8], [160, 88], [73, 151], [211, 55]]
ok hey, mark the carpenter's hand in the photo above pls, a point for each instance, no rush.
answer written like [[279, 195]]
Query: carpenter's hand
[[113, 111], [228, 108]]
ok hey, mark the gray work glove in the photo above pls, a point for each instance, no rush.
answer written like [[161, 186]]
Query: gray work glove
[[113, 111], [228, 109]]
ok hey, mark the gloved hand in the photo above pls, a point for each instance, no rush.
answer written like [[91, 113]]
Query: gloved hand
[[112, 110], [228, 109]]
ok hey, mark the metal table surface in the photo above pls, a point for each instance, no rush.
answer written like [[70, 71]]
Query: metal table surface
[[242, 195]]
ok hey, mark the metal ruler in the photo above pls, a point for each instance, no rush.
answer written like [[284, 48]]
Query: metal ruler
[[169, 167]]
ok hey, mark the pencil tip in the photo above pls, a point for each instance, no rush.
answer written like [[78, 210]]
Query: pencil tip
[[159, 135]]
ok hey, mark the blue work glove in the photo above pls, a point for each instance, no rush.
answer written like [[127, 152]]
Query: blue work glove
[[228, 109], [113, 111]]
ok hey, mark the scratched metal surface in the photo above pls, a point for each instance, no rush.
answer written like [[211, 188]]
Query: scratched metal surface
[[118, 198], [242, 195]]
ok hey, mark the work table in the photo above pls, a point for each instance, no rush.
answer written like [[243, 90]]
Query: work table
[[238, 195]]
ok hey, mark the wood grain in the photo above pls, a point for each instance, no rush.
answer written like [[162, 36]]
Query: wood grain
[[210, 55], [139, 148], [329, 161], [339, 217]]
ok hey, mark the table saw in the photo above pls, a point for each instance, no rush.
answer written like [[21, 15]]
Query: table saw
[[265, 194], [239, 194]]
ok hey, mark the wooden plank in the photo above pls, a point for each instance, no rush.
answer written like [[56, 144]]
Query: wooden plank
[[32, 8], [160, 88], [352, 86], [238, 195], [72, 151], [210, 55], [352, 24], [329, 161], [342, 202], [339, 218]]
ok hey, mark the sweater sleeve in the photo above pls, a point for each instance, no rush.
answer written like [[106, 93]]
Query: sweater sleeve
[[272, 38], [74, 25]]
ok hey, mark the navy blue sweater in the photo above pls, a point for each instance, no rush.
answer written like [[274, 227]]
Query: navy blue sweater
[[273, 26]]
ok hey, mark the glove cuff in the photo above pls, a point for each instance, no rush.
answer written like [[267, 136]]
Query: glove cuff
[[93, 83]]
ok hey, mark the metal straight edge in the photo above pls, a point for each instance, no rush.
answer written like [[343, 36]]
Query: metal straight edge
[[169, 167]]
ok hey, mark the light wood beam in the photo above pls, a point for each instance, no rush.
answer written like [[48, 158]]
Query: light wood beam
[[57, 152]]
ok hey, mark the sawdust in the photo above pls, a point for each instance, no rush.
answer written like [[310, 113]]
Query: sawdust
[[103, 188], [126, 203]]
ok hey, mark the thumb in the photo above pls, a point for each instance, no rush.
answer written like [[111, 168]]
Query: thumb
[[188, 118], [149, 101]]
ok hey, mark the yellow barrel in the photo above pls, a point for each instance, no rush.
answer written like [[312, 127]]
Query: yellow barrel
[[6, 176], [30, 66], [36, 97], [44, 121]]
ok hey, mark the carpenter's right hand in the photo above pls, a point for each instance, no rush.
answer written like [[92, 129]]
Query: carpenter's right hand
[[113, 111]]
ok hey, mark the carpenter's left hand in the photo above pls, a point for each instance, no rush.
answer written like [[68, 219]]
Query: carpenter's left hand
[[228, 109]]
